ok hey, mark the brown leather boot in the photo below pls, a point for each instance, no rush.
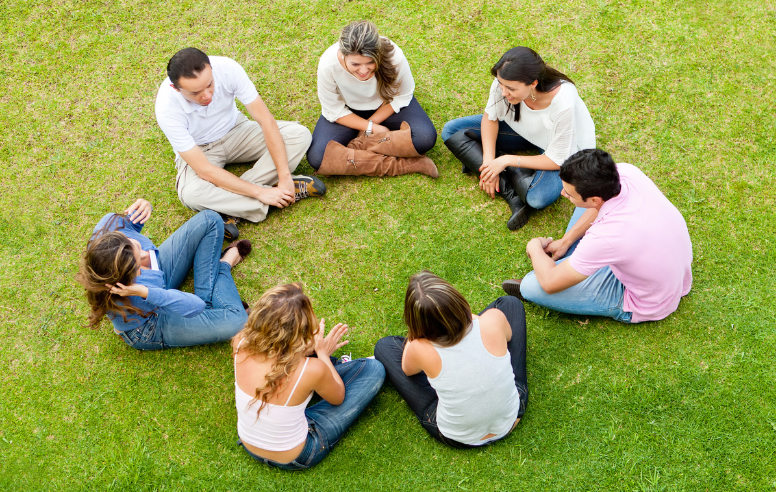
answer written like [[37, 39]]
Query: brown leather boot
[[339, 160], [397, 143]]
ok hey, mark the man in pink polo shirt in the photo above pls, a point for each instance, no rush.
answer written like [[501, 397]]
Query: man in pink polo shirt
[[626, 253]]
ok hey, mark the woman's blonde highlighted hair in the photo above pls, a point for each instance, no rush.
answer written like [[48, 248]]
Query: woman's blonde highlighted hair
[[362, 38], [281, 326], [435, 310]]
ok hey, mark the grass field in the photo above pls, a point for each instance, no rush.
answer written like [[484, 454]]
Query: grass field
[[680, 89]]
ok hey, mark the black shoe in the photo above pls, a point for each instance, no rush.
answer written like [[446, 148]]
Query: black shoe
[[520, 211], [305, 186], [231, 233], [512, 288]]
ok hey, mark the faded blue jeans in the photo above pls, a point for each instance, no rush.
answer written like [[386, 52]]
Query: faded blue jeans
[[326, 423], [546, 185], [600, 294], [196, 245]]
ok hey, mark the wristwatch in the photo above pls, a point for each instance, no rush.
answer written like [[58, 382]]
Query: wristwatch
[[368, 131]]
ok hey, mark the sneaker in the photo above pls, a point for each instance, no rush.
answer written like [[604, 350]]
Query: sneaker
[[231, 233], [346, 357], [512, 288], [305, 186]]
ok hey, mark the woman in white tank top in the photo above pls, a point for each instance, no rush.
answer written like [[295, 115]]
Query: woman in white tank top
[[463, 375], [275, 378], [532, 108]]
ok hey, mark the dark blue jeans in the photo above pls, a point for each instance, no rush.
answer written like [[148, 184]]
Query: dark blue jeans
[[419, 394], [546, 185], [196, 245], [326, 423], [424, 134]]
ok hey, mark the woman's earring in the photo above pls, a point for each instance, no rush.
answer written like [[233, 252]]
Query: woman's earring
[[533, 95]]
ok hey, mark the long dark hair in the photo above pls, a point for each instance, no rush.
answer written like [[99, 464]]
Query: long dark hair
[[524, 65], [362, 38], [109, 259]]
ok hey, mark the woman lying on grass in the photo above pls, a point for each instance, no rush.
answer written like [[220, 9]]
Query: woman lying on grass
[[462, 375], [134, 283], [275, 377]]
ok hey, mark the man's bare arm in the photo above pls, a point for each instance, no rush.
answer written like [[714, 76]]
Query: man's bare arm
[[274, 140], [222, 178]]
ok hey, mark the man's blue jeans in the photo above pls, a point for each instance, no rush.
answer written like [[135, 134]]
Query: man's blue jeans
[[326, 423], [196, 245], [600, 294], [545, 187]]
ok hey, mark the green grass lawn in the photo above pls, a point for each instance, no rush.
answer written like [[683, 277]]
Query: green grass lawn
[[683, 90]]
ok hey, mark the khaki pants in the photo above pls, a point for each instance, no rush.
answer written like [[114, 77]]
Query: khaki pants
[[244, 143]]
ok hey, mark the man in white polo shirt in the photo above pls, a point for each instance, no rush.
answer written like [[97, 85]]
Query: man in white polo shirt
[[626, 253], [196, 110]]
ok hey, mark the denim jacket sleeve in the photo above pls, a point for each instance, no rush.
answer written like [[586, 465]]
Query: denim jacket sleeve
[[118, 224], [171, 301]]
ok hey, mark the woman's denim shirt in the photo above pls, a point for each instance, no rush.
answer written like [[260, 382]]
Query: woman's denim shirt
[[161, 300]]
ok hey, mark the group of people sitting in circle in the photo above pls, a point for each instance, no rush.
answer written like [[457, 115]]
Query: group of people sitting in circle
[[626, 253]]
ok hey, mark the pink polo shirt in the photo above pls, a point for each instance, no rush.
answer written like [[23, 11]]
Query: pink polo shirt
[[644, 239]]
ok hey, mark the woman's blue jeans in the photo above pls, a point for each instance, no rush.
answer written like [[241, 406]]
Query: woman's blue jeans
[[546, 185], [326, 423], [424, 134], [196, 245], [600, 294]]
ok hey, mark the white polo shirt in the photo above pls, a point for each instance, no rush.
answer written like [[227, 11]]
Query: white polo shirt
[[186, 124]]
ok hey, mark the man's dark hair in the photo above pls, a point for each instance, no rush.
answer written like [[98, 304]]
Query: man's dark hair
[[188, 63], [592, 172]]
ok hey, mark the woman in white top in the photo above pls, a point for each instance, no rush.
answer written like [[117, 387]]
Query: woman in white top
[[531, 107], [275, 378], [462, 375], [365, 85]]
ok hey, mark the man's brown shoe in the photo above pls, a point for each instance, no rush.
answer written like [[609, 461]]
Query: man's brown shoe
[[305, 186], [512, 288]]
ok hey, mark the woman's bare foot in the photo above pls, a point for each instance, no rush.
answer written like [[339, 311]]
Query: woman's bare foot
[[236, 252], [232, 256]]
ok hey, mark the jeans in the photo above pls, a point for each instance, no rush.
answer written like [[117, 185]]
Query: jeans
[[197, 245], [417, 391], [326, 423], [600, 294], [546, 185], [424, 134]]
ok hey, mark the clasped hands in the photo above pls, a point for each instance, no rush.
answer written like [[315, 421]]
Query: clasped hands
[[489, 173], [279, 196], [555, 249]]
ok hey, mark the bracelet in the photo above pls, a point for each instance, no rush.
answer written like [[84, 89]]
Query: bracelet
[[518, 162]]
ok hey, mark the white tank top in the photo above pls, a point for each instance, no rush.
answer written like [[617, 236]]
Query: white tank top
[[476, 389], [279, 427]]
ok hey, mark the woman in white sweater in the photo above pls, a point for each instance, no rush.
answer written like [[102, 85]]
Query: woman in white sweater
[[365, 85], [531, 108]]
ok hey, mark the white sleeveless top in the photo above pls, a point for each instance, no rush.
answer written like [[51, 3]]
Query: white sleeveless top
[[279, 427], [476, 389]]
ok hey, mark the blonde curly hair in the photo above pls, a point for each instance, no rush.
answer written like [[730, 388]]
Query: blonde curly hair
[[281, 326]]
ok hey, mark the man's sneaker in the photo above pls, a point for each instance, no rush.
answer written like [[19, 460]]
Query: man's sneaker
[[305, 186], [230, 228], [512, 288]]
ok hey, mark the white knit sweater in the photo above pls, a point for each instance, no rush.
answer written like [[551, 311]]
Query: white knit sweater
[[338, 88], [561, 129]]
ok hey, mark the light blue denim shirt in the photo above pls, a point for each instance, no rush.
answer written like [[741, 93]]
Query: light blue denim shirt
[[160, 300]]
